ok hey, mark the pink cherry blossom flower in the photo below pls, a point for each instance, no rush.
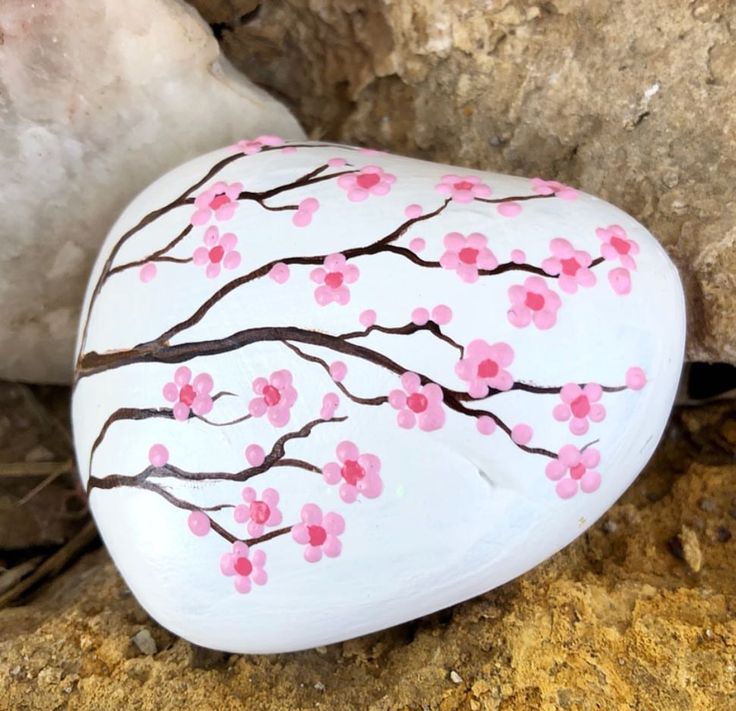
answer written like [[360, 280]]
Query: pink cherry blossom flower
[[338, 371], [367, 318], [617, 245], [246, 567], [147, 272], [580, 405], [333, 279], [304, 212], [620, 280], [370, 180], [255, 455], [199, 523], [420, 316], [158, 455], [330, 403], [355, 472], [533, 302], [462, 188], [574, 468], [417, 245], [570, 265], [483, 367], [466, 255], [189, 395], [441, 314], [552, 187], [522, 433], [220, 199], [418, 404], [636, 378], [509, 209], [219, 252], [485, 424], [259, 513], [319, 533], [255, 145], [276, 396], [279, 272]]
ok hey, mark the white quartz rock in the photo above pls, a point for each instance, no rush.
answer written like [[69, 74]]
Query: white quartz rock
[[97, 99], [321, 391]]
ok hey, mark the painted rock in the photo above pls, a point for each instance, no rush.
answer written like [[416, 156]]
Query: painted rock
[[322, 390]]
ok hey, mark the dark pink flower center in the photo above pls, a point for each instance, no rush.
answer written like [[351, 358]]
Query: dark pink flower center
[[187, 395], [243, 566], [271, 395], [417, 402], [368, 180], [463, 185], [317, 535], [570, 266], [534, 301], [577, 471], [487, 368], [468, 255], [218, 201], [260, 511], [622, 246], [580, 406], [216, 254], [334, 280], [352, 472]]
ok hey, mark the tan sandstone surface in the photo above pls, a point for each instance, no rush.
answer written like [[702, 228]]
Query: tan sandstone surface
[[636, 614], [633, 101]]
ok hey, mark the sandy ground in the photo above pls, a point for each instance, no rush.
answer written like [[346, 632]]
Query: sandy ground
[[637, 614]]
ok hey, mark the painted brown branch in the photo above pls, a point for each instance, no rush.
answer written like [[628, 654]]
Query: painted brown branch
[[380, 400], [276, 457], [515, 198], [406, 330], [145, 413], [500, 269], [453, 399], [297, 464], [311, 178], [157, 256], [177, 353], [114, 482], [315, 260], [461, 408], [154, 215]]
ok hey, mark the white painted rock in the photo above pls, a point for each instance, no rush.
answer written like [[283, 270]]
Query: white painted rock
[[97, 99], [323, 390]]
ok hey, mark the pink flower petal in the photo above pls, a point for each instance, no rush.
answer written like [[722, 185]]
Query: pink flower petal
[[255, 455], [199, 523], [158, 455]]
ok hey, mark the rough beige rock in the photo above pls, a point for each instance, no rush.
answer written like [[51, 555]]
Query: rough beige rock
[[618, 620], [96, 100], [633, 101]]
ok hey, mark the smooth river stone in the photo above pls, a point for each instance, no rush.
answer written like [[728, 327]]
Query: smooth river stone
[[323, 390]]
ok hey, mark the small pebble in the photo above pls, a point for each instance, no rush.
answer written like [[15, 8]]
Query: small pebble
[[455, 677], [723, 534], [691, 549], [707, 505], [145, 642]]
